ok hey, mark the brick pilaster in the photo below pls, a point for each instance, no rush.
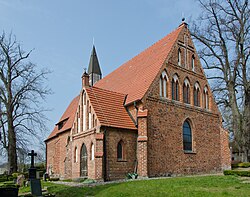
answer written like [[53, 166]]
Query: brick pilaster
[[99, 156], [142, 144]]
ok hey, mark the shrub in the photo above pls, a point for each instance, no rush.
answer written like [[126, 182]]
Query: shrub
[[238, 173], [53, 179], [9, 185], [15, 175], [241, 165], [244, 165]]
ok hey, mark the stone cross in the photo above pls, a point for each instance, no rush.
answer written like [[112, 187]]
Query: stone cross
[[32, 154]]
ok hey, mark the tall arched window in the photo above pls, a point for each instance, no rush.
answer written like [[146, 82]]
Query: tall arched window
[[179, 57], [120, 150], [90, 118], [193, 63], [92, 149], [197, 95], [186, 92], [93, 120], [175, 88], [164, 84], [187, 136], [206, 98], [75, 155], [161, 86]]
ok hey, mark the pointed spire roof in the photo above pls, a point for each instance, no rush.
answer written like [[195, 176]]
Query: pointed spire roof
[[94, 66]]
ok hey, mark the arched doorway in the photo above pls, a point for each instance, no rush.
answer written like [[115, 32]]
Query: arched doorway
[[84, 162]]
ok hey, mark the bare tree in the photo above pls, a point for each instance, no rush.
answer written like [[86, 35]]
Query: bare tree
[[21, 92], [222, 32]]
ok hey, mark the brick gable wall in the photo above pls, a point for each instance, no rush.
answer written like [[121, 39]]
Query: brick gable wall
[[166, 117]]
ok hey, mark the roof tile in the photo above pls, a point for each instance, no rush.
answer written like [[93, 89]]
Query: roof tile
[[135, 76]]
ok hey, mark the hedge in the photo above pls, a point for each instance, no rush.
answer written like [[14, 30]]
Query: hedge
[[236, 172], [241, 165]]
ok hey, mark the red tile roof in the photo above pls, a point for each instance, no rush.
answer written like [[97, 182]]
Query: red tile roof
[[135, 76], [132, 79], [68, 116], [109, 108]]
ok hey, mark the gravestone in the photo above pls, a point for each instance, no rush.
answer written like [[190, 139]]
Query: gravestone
[[32, 169], [35, 184], [20, 180], [36, 189]]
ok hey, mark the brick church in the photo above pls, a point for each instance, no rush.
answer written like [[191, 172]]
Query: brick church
[[155, 115]]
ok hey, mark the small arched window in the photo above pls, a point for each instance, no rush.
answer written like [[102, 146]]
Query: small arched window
[[164, 84], [186, 92], [193, 63], [93, 120], [187, 136], [75, 155], [161, 86], [120, 150], [92, 149], [197, 95], [206, 98], [78, 123], [179, 57], [175, 88], [90, 118]]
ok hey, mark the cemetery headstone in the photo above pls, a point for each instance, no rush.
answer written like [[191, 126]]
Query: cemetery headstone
[[32, 169], [35, 183], [36, 189], [20, 180]]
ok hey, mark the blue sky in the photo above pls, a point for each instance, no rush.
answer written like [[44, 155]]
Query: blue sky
[[61, 33]]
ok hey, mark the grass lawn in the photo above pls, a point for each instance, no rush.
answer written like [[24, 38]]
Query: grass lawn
[[181, 186]]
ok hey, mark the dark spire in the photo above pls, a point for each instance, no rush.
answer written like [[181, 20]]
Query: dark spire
[[94, 66]]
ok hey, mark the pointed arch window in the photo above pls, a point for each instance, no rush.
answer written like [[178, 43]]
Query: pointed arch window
[[161, 86], [164, 85], [175, 88], [179, 57], [90, 118], [193, 63], [206, 98], [187, 136], [120, 150], [92, 149], [75, 155], [197, 95], [186, 92]]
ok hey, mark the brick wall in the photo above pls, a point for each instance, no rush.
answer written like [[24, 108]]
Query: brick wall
[[56, 154], [225, 150], [119, 169]]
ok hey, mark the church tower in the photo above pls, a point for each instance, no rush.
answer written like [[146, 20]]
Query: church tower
[[94, 69]]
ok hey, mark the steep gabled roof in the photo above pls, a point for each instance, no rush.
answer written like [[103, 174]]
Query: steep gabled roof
[[109, 108], [68, 116], [135, 76]]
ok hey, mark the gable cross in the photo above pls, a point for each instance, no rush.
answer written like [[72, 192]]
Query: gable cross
[[32, 154]]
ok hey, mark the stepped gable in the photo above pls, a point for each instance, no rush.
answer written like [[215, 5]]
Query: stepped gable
[[109, 109], [68, 116], [135, 76]]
